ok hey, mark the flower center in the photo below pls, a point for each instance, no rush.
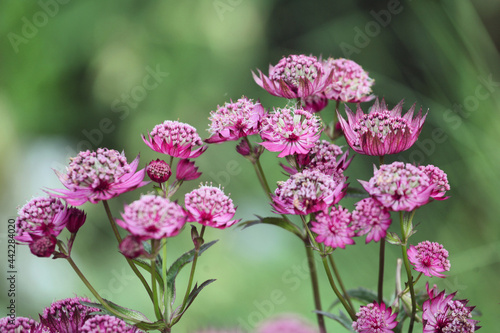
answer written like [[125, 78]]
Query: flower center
[[294, 68]]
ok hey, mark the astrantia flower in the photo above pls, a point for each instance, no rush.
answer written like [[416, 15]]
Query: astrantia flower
[[371, 218], [41, 216], [441, 313], [295, 76], [429, 258], [175, 139], [43, 246], [186, 170], [307, 192], [209, 206], [333, 228], [314, 103], [290, 131], [286, 324], [381, 132], [107, 324], [67, 315], [399, 186], [153, 217], [439, 178], [158, 171], [98, 175], [350, 83], [375, 318], [20, 325], [235, 120], [132, 247]]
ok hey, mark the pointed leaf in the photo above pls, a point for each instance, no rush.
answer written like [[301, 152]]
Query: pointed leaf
[[128, 314], [361, 294], [192, 295], [144, 265], [393, 238], [341, 318], [277, 221], [159, 326]]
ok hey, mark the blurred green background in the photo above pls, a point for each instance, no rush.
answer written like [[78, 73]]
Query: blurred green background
[[74, 76]]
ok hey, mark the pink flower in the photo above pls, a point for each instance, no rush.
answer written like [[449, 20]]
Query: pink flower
[[333, 228], [21, 325], [371, 218], [186, 170], [100, 175], [399, 186], [429, 258], [132, 247], [153, 217], [290, 131], [107, 324], [307, 192], [158, 171], [441, 313], [294, 76], [67, 315], [350, 83], [210, 207], [439, 178], [43, 246], [76, 218], [175, 139], [314, 103], [375, 318], [235, 120], [381, 132], [42, 216], [285, 324]]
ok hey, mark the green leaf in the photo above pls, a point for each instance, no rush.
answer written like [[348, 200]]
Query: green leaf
[[128, 314], [361, 294], [341, 318], [277, 221], [353, 192], [192, 295], [146, 266], [179, 264], [393, 238], [159, 326]]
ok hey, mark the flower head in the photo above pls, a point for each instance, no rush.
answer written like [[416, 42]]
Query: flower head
[[307, 192], [371, 218], [186, 170], [153, 217], [107, 324], [43, 246], [76, 218], [429, 258], [350, 83], [441, 313], [67, 315], [314, 103], [209, 206], [175, 139], [439, 178], [290, 131], [235, 120], [294, 76], [158, 171], [21, 325], [375, 318], [286, 324], [333, 228], [41, 216], [98, 175], [132, 247], [381, 132], [399, 186]]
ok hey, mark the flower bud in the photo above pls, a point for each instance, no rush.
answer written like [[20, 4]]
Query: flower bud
[[43, 246], [131, 247], [159, 171], [76, 218], [243, 148]]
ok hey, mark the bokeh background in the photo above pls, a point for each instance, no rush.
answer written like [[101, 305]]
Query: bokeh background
[[73, 78]]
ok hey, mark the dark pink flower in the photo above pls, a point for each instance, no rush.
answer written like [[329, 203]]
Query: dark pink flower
[[132, 247], [41, 216], [439, 178], [235, 120], [158, 171], [290, 131], [371, 218], [286, 324], [67, 315], [175, 139], [153, 217], [100, 175], [350, 83], [375, 318], [429, 258], [307, 192], [399, 186], [107, 324], [209, 206], [333, 228], [76, 218], [186, 170], [43, 246], [381, 132], [21, 325], [314, 103], [441, 313], [295, 76]]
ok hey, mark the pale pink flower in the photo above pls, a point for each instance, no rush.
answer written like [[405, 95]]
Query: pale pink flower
[[295, 76], [235, 120], [399, 186], [375, 318], [175, 139], [107, 324], [350, 83], [290, 131], [209, 206], [99, 175], [186, 170], [381, 132], [333, 228], [286, 324], [439, 178], [153, 217], [371, 218], [429, 258]]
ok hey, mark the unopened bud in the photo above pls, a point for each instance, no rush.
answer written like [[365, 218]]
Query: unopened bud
[[158, 171], [76, 218], [43, 246]]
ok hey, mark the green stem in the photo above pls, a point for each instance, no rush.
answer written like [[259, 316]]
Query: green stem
[[129, 261], [166, 298], [408, 273], [259, 171], [381, 264], [349, 310], [191, 275], [158, 313], [341, 284], [315, 286]]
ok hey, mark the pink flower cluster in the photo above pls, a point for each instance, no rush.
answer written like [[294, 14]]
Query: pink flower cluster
[[375, 318], [333, 228], [371, 218], [429, 258]]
